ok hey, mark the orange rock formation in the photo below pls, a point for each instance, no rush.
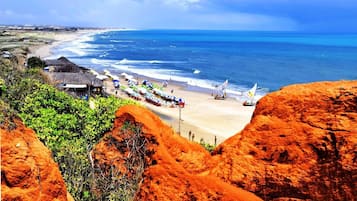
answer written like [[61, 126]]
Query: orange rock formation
[[301, 143], [27, 169], [175, 169]]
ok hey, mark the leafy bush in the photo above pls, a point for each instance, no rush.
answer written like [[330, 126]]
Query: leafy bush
[[207, 146], [70, 128], [16, 84], [35, 62], [7, 116]]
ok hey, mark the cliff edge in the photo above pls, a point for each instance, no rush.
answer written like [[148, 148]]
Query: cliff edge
[[172, 167], [300, 144], [28, 171]]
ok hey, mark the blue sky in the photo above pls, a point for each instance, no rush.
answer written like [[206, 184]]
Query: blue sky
[[275, 15]]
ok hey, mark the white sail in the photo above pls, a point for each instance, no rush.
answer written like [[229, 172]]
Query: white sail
[[221, 90], [223, 86], [251, 92]]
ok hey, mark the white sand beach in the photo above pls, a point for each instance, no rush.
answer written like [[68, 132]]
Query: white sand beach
[[204, 116], [60, 37]]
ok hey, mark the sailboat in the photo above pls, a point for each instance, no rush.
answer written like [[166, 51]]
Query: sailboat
[[221, 91], [251, 94]]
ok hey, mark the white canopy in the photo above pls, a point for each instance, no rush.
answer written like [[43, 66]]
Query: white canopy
[[75, 86], [102, 77]]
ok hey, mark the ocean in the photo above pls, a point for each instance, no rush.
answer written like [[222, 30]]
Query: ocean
[[204, 59]]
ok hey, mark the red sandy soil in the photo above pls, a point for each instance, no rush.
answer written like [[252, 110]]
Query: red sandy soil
[[27, 170], [174, 166], [300, 145]]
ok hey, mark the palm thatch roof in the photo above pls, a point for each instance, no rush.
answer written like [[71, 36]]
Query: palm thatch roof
[[75, 78], [62, 64]]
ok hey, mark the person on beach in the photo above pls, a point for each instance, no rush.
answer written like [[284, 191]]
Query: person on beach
[[215, 140], [189, 135], [193, 137]]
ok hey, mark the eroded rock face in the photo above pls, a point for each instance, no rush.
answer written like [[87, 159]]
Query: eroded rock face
[[300, 144], [173, 168], [27, 170]]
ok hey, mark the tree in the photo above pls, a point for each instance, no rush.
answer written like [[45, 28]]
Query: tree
[[35, 62]]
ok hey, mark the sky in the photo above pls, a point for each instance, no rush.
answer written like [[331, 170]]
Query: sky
[[254, 15]]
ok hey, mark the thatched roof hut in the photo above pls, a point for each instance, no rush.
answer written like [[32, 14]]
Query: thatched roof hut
[[75, 78], [62, 64]]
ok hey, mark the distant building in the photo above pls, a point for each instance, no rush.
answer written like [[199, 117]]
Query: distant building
[[73, 79], [77, 84], [62, 64]]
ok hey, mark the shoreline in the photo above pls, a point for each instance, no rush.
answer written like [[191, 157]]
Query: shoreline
[[59, 38], [208, 119]]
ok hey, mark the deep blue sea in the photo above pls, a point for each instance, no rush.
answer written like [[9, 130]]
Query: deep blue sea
[[207, 58]]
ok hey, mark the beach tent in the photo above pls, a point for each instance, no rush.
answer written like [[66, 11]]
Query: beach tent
[[142, 90], [148, 84], [116, 83], [129, 90], [133, 81], [158, 92]]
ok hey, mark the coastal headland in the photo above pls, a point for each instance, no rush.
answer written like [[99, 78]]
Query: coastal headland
[[299, 144]]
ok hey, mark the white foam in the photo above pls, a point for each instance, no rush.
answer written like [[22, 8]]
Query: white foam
[[121, 41], [234, 91], [79, 46], [127, 61], [103, 62], [75, 50]]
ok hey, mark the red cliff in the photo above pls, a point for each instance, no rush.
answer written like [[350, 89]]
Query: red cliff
[[173, 168], [300, 144], [27, 169]]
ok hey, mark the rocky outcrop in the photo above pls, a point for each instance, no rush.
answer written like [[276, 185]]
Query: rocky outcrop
[[300, 144], [171, 167], [27, 169]]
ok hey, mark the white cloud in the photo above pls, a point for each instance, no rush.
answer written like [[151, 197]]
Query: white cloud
[[182, 3], [144, 14]]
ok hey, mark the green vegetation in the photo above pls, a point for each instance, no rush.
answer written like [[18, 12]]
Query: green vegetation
[[35, 62], [69, 127], [207, 146]]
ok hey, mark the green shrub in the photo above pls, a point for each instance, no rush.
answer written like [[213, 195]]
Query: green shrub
[[35, 62], [70, 128], [207, 146]]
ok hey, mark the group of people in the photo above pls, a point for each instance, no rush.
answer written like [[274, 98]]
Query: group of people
[[191, 136]]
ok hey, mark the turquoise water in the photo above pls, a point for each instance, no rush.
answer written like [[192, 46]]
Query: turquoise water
[[207, 58]]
